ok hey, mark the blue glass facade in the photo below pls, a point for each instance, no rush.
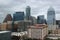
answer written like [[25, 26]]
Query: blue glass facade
[[51, 16], [18, 16]]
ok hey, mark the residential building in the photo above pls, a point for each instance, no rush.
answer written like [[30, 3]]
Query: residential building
[[21, 25], [38, 31]]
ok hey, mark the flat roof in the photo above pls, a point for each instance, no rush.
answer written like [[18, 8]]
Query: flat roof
[[4, 31], [38, 26]]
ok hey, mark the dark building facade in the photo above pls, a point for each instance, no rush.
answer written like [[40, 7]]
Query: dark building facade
[[41, 20], [58, 23], [28, 12], [18, 16], [8, 18]]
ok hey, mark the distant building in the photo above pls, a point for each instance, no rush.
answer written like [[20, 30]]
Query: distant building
[[38, 31], [18, 16], [6, 26], [21, 25], [52, 27], [8, 18], [3, 26], [28, 12], [33, 19], [58, 23], [5, 35], [41, 20], [51, 16]]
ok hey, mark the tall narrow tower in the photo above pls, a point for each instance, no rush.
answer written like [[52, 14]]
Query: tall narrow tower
[[28, 12], [51, 16]]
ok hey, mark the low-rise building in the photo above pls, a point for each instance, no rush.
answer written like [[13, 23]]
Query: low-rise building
[[52, 27], [5, 35], [3, 26], [6, 26], [38, 31]]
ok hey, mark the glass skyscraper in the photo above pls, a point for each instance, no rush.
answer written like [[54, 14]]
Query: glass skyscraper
[[18, 16], [28, 12], [51, 16]]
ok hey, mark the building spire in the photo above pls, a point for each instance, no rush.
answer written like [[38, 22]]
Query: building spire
[[51, 8]]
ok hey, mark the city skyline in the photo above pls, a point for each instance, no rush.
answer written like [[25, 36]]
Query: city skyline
[[39, 7]]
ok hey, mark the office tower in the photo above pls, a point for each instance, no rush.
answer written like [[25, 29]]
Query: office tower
[[40, 19], [51, 16], [8, 18], [18, 16], [28, 12]]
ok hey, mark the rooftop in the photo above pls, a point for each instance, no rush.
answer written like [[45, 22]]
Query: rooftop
[[4, 31], [38, 26]]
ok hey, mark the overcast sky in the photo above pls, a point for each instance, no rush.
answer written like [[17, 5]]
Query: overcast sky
[[38, 7]]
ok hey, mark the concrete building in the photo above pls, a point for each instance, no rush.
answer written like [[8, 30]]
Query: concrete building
[[33, 19], [5, 35], [19, 35], [22, 25], [3, 26], [38, 31], [52, 27], [9, 25]]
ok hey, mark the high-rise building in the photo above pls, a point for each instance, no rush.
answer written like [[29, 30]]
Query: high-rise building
[[8, 18], [40, 19], [28, 12], [18, 16], [51, 16]]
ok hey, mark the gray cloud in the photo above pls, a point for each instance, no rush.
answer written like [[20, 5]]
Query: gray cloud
[[38, 7]]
